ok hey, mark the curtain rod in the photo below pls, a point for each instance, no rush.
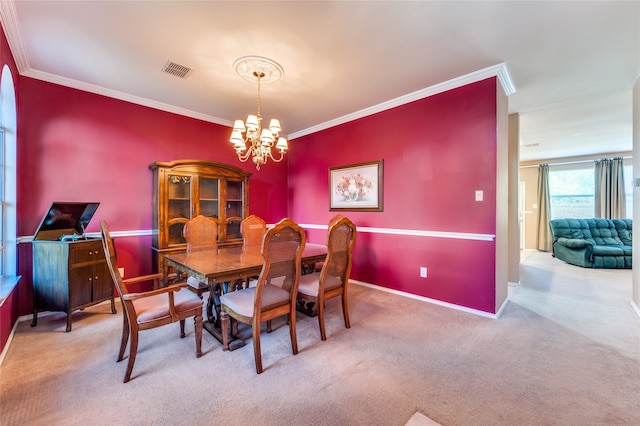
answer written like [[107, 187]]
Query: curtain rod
[[564, 163]]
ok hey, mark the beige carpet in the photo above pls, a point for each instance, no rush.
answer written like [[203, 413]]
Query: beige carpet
[[565, 352]]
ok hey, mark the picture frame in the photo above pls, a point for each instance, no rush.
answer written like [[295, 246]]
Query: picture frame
[[356, 187]]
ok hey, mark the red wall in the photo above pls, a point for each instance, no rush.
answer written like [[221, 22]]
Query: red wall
[[78, 146], [437, 152]]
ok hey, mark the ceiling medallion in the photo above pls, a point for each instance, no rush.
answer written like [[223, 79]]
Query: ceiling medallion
[[253, 67]]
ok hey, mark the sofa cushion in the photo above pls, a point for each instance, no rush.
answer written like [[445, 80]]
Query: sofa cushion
[[624, 227], [576, 229], [604, 232], [607, 251], [574, 242]]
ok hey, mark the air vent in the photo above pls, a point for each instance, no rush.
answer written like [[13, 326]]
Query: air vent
[[176, 69]]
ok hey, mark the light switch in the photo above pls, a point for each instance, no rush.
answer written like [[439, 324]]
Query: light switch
[[479, 195]]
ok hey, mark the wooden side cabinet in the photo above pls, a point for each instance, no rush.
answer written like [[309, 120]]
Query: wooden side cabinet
[[69, 275], [184, 189]]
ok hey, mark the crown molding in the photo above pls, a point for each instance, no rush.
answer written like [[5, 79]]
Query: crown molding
[[9, 20], [75, 84], [500, 70]]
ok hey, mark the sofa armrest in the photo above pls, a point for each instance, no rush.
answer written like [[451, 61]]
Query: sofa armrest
[[574, 243]]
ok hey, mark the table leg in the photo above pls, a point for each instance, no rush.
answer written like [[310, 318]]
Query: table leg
[[213, 324]]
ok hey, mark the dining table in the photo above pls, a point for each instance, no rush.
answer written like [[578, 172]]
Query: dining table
[[227, 269]]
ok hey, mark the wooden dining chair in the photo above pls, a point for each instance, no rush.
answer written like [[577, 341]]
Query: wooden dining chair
[[253, 229], [333, 278], [201, 233], [150, 309], [275, 292]]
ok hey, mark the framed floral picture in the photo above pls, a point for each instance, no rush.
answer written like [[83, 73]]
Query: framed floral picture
[[356, 187]]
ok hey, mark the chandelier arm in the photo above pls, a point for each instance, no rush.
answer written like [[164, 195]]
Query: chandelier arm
[[244, 157], [270, 155]]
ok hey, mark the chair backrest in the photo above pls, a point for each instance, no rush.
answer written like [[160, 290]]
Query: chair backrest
[[340, 241], [253, 229], [282, 248], [201, 233], [110, 254]]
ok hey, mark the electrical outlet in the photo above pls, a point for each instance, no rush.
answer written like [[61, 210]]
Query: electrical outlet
[[423, 272], [479, 195]]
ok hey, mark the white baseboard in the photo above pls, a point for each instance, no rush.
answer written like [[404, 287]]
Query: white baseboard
[[435, 301], [635, 308]]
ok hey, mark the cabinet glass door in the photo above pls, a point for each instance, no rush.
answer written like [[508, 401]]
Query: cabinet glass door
[[179, 190], [235, 209], [209, 200]]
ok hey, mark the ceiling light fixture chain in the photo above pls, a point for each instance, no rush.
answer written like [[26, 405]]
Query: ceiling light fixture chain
[[248, 138]]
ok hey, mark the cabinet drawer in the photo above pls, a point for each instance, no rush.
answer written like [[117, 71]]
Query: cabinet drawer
[[85, 251]]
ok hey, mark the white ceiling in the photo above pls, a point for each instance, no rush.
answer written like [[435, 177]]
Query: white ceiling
[[573, 63]]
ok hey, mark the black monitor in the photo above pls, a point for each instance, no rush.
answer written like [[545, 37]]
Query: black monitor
[[69, 218]]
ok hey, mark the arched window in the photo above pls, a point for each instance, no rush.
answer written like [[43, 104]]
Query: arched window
[[8, 177]]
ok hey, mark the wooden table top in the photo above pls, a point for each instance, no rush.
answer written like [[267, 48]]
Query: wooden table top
[[226, 264]]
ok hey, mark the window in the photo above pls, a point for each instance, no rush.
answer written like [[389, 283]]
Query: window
[[571, 188], [8, 178], [2, 198]]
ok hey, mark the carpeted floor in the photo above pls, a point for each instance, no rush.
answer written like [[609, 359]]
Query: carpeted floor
[[566, 351]]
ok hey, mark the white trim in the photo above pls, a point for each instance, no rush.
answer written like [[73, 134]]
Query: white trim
[[635, 308], [91, 88], [433, 301], [9, 19], [500, 70], [415, 233], [504, 305], [131, 233], [10, 338], [392, 231]]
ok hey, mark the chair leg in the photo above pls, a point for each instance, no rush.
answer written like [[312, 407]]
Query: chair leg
[[197, 319], [133, 350], [257, 354], [320, 305], [125, 335], [182, 333], [224, 320], [292, 330], [345, 308], [269, 328]]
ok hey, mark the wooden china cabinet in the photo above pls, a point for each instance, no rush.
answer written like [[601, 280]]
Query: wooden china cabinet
[[184, 189]]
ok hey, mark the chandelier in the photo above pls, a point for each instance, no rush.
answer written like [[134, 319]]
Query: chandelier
[[249, 138]]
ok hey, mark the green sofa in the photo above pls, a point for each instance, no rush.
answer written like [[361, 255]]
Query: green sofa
[[592, 243]]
